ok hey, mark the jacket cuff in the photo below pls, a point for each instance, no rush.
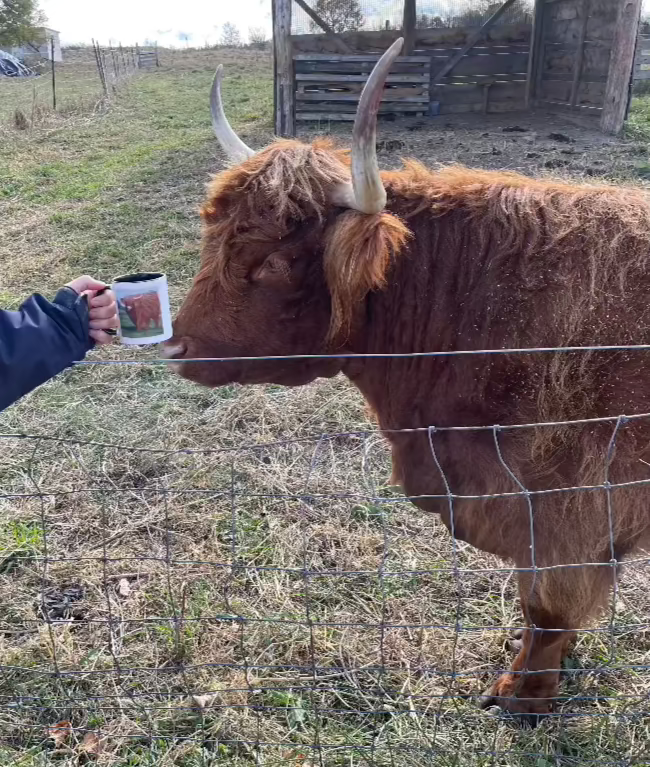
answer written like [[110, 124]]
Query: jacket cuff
[[68, 298]]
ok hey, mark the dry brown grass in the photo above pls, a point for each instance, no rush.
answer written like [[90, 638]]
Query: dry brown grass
[[191, 603]]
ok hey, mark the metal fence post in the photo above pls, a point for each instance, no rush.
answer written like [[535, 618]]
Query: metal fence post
[[53, 74]]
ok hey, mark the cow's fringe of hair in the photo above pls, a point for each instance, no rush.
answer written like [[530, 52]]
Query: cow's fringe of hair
[[255, 204], [286, 184], [358, 254], [281, 185]]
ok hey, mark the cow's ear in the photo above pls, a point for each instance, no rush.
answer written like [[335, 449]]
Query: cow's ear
[[359, 252], [276, 267]]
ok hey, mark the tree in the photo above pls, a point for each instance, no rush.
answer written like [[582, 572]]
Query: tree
[[20, 22], [257, 37], [481, 10], [429, 22], [341, 15], [230, 35]]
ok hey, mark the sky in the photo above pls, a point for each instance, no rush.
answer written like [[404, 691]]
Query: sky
[[167, 21], [170, 22]]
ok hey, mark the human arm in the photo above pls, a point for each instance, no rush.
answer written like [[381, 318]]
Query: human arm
[[43, 338]]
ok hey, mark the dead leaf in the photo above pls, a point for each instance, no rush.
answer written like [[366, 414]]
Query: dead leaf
[[203, 701], [90, 744], [59, 733], [123, 587]]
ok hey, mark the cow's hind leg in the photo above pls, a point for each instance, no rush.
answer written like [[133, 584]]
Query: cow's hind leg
[[555, 603]]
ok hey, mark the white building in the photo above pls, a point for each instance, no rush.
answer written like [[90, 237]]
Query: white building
[[40, 50]]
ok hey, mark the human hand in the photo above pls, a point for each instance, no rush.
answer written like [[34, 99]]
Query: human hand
[[102, 307]]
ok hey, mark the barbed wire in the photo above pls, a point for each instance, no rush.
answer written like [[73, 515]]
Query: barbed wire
[[370, 355]]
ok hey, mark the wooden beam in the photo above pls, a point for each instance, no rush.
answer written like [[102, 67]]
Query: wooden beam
[[321, 77], [621, 64], [486, 96], [538, 83], [536, 50], [283, 81], [378, 40], [585, 7], [408, 27], [340, 44], [373, 58], [471, 42]]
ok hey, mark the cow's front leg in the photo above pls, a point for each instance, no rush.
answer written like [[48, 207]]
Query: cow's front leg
[[555, 603]]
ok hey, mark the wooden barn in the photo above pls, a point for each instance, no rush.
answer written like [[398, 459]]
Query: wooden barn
[[575, 56]]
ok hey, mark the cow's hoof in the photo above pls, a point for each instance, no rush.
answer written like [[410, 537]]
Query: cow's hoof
[[487, 702], [494, 711], [516, 643], [513, 709], [517, 702]]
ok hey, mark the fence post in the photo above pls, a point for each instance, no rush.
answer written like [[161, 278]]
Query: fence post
[[103, 58], [116, 68], [53, 74], [33, 102], [283, 69], [102, 78], [408, 27], [621, 67], [156, 52], [137, 55], [102, 63]]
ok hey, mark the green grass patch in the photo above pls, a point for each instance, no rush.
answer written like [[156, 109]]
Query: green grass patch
[[19, 543]]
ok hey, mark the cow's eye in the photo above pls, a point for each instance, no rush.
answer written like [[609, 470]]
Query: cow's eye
[[276, 266]]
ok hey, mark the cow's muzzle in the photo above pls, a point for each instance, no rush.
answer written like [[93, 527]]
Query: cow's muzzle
[[174, 350]]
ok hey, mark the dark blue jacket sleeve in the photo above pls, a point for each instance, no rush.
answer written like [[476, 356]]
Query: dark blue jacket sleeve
[[40, 340]]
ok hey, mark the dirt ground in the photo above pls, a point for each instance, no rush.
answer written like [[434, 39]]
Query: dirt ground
[[536, 144]]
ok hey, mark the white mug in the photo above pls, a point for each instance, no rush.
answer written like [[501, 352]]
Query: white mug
[[143, 307]]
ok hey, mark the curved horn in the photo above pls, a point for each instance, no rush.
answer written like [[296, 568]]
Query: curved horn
[[230, 142], [367, 193]]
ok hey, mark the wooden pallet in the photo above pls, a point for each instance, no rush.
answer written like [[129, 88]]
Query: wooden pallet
[[328, 86], [147, 59], [642, 58]]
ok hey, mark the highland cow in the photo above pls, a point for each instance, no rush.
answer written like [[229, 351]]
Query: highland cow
[[309, 251]]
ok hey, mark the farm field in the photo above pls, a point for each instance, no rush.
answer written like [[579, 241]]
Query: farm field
[[210, 581]]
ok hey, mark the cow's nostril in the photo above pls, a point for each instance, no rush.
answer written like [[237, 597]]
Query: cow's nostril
[[174, 349]]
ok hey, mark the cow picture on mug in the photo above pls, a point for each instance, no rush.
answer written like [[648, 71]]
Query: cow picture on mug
[[141, 314]]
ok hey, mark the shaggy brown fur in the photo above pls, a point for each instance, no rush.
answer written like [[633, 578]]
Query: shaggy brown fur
[[461, 259]]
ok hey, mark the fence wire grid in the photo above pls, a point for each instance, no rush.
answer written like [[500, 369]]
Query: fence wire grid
[[82, 83], [275, 601]]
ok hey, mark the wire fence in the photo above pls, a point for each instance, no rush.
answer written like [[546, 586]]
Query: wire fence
[[276, 602], [80, 84], [375, 15]]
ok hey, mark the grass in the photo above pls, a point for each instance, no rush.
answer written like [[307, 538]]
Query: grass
[[181, 626]]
